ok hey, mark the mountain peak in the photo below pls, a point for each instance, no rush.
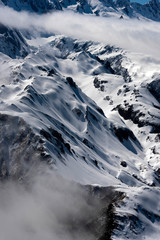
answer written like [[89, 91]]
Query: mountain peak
[[154, 2], [40, 6], [122, 3]]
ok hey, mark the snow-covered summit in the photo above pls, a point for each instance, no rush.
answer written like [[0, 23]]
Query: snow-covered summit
[[122, 3], [150, 10], [41, 6]]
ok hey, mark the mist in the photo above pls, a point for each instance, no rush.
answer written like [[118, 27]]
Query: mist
[[47, 207], [133, 35]]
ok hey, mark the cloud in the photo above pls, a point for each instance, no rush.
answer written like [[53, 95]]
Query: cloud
[[135, 35], [47, 207]]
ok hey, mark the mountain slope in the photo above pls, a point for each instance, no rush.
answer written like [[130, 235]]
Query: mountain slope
[[12, 42], [71, 133], [67, 119], [88, 111]]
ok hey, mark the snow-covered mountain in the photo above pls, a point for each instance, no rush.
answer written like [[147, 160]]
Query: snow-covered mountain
[[61, 114], [119, 8], [12, 42], [45, 116], [41, 6], [89, 111]]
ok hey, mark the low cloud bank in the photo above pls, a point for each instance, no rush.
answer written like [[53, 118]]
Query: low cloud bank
[[134, 35], [46, 208]]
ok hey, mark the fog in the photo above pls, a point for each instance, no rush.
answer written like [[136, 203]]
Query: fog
[[134, 35], [47, 207]]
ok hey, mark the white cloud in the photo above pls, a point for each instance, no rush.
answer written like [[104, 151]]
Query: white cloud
[[47, 207], [134, 35]]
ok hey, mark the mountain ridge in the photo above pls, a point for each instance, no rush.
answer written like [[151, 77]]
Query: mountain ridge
[[87, 111], [125, 8]]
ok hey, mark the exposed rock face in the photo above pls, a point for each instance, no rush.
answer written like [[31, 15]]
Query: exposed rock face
[[122, 3], [150, 10], [104, 223], [20, 149], [154, 3], [154, 88], [42, 6], [12, 42]]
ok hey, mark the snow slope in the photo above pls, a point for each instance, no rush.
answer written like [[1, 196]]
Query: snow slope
[[72, 133], [68, 120], [90, 111]]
